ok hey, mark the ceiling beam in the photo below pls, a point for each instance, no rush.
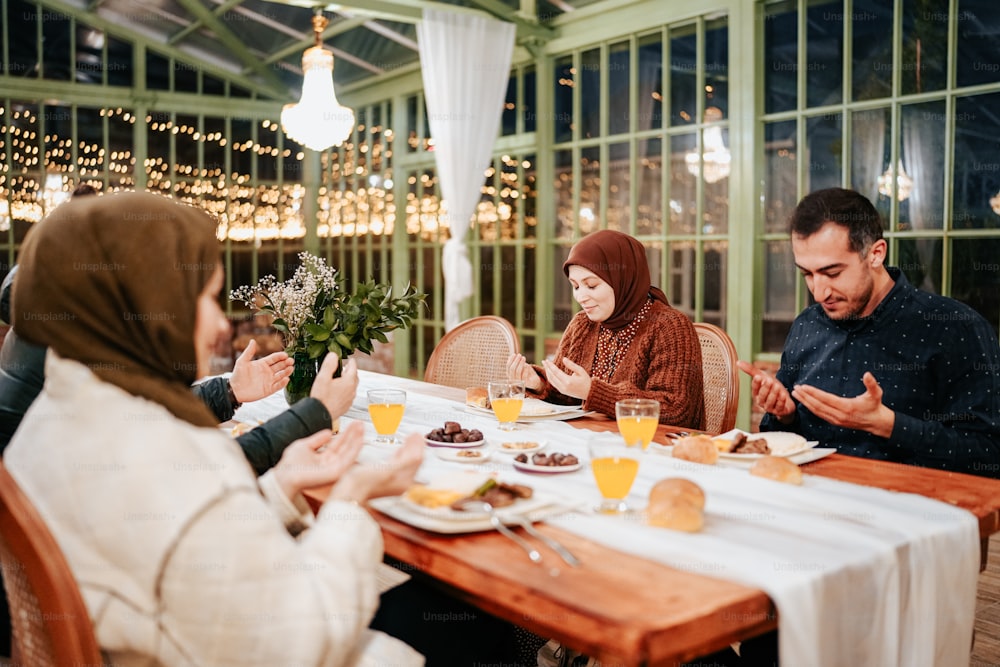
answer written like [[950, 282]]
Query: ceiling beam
[[233, 43], [338, 28], [527, 30], [194, 25]]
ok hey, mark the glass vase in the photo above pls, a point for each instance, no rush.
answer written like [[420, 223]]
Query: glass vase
[[303, 375]]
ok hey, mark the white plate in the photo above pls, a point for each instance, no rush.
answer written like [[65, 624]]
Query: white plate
[[786, 453], [537, 507], [781, 443], [540, 444], [463, 455], [455, 445], [538, 410], [549, 470]]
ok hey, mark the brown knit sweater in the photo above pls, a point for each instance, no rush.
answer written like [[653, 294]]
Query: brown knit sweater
[[663, 362]]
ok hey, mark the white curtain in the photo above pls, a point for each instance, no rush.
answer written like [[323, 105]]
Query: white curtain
[[465, 61]]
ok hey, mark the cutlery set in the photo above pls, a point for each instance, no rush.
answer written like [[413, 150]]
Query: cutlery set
[[472, 505]]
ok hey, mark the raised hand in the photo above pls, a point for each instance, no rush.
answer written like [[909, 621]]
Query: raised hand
[[337, 394], [253, 379], [864, 412], [576, 383], [385, 478], [307, 464], [770, 395], [519, 369]]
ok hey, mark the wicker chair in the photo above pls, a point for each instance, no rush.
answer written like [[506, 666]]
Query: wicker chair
[[473, 353], [720, 376], [50, 621]]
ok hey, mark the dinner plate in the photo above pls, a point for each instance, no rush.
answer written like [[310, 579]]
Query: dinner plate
[[464, 455], [455, 445], [536, 508], [446, 513], [548, 470], [785, 452], [505, 449], [535, 409], [781, 443]]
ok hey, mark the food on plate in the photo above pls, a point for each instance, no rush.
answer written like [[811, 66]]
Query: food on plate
[[555, 459], [470, 454], [677, 490], [425, 496], [497, 494], [696, 448], [742, 444], [676, 503], [518, 446], [777, 468], [454, 433], [477, 397]]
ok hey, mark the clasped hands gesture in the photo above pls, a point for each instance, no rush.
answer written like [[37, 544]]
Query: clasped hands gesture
[[864, 412], [576, 383]]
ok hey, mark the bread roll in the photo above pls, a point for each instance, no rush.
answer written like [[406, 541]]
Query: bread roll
[[777, 468], [477, 396], [696, 448], [677, 490], [675, 515]]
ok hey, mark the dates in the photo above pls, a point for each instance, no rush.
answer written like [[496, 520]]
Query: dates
[[454, 433], [553, 460]]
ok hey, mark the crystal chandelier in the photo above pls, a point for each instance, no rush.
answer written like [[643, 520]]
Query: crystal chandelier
[[318, 121], [904, 184], [715, 155]]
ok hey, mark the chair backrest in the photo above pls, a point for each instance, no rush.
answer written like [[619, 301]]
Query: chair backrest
[[50, 621], [720, 376], [473, 353]]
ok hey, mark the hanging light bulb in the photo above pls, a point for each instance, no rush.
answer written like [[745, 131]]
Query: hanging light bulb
[[318, 121]]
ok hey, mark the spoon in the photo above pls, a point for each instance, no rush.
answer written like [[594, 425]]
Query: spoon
[[482, 506]]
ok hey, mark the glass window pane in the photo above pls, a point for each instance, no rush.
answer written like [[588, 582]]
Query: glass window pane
[[920, 184], [869, 150], [649, 220], [780, 184], [565, 213], [683, 202], [185, 77], [120, 56], [977, 165], [717, 65], [619, 183], [714, 268], [824, 53], [978, 42], [781, 44], [924, 57], [157, 71], [681, 273], [56, 58], [650, 106], [529, 106], [590, 93], [529, 197], [654, 258], [823, 145], [683, 75], [22, 32], [975, 275], [619, 88], [590, 190], [871, 44], [563, 103], [411, 124], [920, 260], [715, 219], [508, 119], [779, 295]]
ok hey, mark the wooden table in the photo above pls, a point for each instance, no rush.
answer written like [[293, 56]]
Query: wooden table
[[626, 610]]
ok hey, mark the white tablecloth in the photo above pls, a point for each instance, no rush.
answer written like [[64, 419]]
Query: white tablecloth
[[860, 576]]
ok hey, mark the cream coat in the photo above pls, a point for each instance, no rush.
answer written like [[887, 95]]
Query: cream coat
[[183, 557]]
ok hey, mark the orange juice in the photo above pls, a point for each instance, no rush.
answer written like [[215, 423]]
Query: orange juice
[[636, 429], [386, 417], [507, 409], [614, 475]]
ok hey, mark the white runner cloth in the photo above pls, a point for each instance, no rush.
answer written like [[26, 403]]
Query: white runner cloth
[[860, 576]]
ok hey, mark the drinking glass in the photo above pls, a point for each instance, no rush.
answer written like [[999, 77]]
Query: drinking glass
[[615, 467], [506, 398], [385, 406], [637, 420]]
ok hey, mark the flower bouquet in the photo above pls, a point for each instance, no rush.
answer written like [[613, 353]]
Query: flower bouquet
[[316, 314]]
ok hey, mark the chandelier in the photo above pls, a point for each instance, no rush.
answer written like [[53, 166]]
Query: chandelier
[[318, 121], [904, 184], [715, 155]]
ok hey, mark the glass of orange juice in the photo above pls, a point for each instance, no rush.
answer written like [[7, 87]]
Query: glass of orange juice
[[385, 406], [615, 467], [637, 420], [506, 398]]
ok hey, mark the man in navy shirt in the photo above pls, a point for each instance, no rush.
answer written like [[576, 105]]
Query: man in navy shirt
[[876, 367]]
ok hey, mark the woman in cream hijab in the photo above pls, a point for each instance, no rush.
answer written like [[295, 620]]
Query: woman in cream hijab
[[182, 555]]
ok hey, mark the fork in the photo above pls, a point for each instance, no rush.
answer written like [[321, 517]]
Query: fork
[[551, 542], [503, 529]]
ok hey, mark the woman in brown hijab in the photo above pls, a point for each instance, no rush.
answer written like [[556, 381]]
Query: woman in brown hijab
[[627, 341], [183, 556]]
